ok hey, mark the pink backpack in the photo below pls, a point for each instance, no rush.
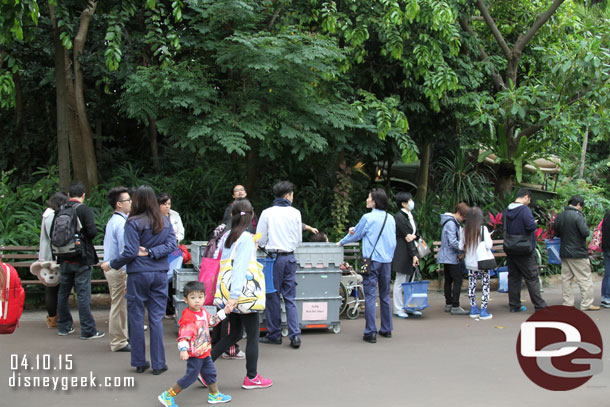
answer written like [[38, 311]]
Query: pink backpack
[[12, 297], [596, 240]]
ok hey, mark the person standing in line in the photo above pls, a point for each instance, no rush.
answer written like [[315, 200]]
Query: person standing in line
[[377, 230], [76, 272], [175, 258], [606, 252], [281, 231], [120, 201], [571, 226], [149, 239], [239, 192], [519, 220], [470, 236], [450, 256], [45, 254], [405, 256]]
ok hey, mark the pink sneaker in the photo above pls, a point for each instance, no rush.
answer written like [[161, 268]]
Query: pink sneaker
[[257, 383]]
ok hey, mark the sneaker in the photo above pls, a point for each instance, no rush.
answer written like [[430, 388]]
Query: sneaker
[[201, 380], [415, 313], [485, 315], [218, 398], [592, 308], [69, 332], [168, 316], [522, 308], [605, 304], [401, 314], [448, 308], [458, 311], [167, 400], [239, 355], [474, 311], [257, 383], [96, 335]]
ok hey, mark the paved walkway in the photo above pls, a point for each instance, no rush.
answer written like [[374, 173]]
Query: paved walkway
[[437, 360]]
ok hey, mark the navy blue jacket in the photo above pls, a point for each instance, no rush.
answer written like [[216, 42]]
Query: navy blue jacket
[[138, 233], [519, 220]]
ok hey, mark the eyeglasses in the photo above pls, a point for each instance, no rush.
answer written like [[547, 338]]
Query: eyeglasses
[[125, 200], [239, 189]]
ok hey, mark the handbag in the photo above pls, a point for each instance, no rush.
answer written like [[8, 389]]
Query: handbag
[[596, 240], [517, 245], [422, 248], [485, 258], [367, 262], [252, 298], [208, 275]]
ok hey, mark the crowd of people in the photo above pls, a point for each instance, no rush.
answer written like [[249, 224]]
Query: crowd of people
[[141, 243]]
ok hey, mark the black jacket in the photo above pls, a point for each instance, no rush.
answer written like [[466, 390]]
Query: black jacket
[[606, 233], [571, 227], [519, 220], [404, 252], [88, 232]]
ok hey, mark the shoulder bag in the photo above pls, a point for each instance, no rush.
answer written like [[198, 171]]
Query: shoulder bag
[[365, 268], [485, 258], [516, 245]]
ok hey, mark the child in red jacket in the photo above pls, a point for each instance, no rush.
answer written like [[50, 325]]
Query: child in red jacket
[[195, 346]]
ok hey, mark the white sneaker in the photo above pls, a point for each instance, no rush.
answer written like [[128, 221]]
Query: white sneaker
[[239, 355], [402, 315]]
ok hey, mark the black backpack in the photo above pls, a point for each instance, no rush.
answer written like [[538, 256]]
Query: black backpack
[[66, 242]]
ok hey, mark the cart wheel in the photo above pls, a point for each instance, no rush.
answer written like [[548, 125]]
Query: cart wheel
[[353, 312], [343, 294], [284, 331], [336, 328]]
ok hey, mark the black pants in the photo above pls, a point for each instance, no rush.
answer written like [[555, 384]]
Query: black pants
[[169, 309], [453, 283], [50, 299], [238, 323], [523, 267], [219, 332]]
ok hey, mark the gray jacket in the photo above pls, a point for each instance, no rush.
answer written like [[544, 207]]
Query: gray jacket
[[450, 240], [44, 252]]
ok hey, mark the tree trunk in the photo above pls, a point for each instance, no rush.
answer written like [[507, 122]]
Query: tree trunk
[[63, 115], [81, 111], [504, 179], [423, 174], [583, 156], [152, 138], [19, 120], [252, 171]]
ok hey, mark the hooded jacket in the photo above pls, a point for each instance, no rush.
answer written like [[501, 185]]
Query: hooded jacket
[[571, 227], [519, 220], [450, 240]]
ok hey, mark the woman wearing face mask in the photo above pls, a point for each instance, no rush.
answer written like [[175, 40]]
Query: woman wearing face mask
[[405, 257]]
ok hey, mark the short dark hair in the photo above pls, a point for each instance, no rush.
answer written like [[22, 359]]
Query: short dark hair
[[282, 188], [575, 200], [163, 197], [403, 197], [57, 200], [193, 287], [319, 237], [523, 192], [462, 208], [380, 198], [76, 190], [114, 195]]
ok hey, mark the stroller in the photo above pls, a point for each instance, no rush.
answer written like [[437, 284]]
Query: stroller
[[351, 291]]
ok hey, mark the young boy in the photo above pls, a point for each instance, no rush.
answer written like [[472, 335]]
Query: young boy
[[194, 346]]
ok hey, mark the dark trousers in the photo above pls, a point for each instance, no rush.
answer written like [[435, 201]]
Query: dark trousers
[[51, 295], [169, 308], [454, 274], [219, 332], [146, 290], [379, 275], [194, 366], [523, 267], [284, 281], [238, 323], [79, 277]]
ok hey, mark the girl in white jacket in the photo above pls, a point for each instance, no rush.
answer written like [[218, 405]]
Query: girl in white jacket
[[470, 236]]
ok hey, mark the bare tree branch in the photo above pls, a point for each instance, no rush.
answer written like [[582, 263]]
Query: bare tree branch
[[495, 77], [494, 29], [540, 21], [275, 16]]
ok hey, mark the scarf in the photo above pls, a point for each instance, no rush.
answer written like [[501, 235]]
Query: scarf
[[281, 202]]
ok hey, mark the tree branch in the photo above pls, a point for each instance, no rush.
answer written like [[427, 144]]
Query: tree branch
[[494, 28], [495, 77], [275, 16], [543, 18]]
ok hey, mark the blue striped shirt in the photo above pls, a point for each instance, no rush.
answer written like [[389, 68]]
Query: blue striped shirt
[[113, 239]]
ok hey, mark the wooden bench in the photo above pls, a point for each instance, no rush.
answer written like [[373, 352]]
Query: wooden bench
[[497, 249], [352, 254], [22, 257]]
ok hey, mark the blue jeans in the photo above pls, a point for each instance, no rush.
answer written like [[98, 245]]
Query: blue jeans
[[79, 277], [284, 281], [146, 289], [380, 274], [606, 280], [194, 366]]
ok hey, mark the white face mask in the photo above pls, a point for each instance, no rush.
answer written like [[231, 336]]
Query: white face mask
[[411, 205]]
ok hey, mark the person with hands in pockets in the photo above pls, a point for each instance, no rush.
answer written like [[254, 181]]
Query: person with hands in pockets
[[195, 346]]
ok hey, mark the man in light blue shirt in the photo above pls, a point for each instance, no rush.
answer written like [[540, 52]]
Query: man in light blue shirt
[[120, 201], [377, 230]]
